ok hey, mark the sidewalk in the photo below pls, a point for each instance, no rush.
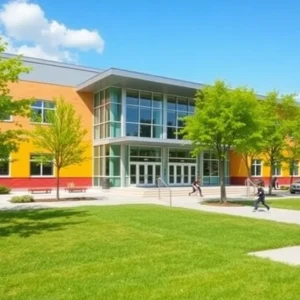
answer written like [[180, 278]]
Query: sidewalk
[[277, 215]]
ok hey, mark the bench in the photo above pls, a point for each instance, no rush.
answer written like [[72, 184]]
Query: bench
[[39, 190], [76, 189]]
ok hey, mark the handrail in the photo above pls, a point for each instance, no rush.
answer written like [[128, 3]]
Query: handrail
[[160, 180], [248, 183]]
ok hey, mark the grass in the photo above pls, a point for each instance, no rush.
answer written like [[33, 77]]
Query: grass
[[293, 204], [142, 252]]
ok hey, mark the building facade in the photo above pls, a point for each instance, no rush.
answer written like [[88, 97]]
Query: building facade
[[132, 121]]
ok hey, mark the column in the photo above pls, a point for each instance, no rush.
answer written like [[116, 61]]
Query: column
[[165, 115], [165, 165], [123, 167], [123, 112]]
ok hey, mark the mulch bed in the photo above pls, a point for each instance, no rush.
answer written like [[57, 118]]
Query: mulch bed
[[227, 204], [67, 199]]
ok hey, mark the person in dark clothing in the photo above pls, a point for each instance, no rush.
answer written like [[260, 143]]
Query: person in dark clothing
[[261, 198], [274, 183], [196, 187]]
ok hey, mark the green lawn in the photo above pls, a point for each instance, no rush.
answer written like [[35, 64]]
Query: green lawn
[[286, 203], [142, 252]]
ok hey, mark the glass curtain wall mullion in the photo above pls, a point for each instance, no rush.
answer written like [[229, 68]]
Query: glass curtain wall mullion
[[107, 113], [143, 114], [211, 168], [177, 108], [107, 164]]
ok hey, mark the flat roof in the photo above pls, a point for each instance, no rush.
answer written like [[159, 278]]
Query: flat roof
[[136, 80], [52, 63], [88, 79]]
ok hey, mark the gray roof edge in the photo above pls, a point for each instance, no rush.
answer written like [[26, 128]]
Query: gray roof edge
[[53, 63], [141, 76]]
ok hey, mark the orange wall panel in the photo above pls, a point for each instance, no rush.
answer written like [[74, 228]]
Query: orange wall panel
[[83, 104], [237, 165]]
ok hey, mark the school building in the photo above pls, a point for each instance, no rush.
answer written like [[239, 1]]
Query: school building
[[131, 119]]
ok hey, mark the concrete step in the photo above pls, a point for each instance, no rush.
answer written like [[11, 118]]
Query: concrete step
[[176, 191]]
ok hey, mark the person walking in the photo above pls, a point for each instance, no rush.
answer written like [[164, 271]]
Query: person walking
[[274, 183], [261, 198], [199, 188], [196, 187]]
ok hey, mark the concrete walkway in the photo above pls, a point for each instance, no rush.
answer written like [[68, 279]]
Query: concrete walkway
[[104, 198]]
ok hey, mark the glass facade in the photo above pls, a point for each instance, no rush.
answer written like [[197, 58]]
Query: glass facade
[[136, 113], [107, 165], [211, 169], [145, 165], [144, 114], [107, 113], [177, 108]]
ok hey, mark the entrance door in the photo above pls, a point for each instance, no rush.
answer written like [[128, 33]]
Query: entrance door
[[143, 174], [181, 174]]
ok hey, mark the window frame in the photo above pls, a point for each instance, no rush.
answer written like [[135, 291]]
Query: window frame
[[9, 169], [294, 164], [255, 166], [8, 120], [277, 167], [153, 107], [41, 166], [42, 108]]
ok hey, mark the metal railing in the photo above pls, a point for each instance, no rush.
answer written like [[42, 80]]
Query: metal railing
[[159, 180], [248, 184]]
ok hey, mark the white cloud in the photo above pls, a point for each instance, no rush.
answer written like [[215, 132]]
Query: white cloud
[[29, 32]]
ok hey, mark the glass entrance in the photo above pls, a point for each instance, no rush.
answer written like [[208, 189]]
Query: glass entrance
[[182, 174], [144, 173]]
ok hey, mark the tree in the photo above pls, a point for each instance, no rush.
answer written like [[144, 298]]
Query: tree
[[222, 118], [249, 145], [276, 111], [62, 141], [10, 70], [292, 148]]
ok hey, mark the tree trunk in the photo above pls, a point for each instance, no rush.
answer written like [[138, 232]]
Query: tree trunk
[[270, 178], [57, 183], [292, 178], [223, 198], [248, 167]]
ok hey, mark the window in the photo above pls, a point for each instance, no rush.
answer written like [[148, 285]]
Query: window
[[178, 108], [40, 165], [107, 113], [40, 111], [294, 168], [4, 168], [6, 118], [277, 170], [144, 114], [256, 167]]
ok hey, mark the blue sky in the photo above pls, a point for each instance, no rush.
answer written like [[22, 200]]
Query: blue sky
[[253, 43]]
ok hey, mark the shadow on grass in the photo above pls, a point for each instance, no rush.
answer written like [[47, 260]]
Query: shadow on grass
[[25, 223]]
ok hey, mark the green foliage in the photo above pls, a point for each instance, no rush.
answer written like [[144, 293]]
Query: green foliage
[[22, 199], [284, 187], [62, 141], [10, 70], [4, 190], [223, 118], [277, 113]]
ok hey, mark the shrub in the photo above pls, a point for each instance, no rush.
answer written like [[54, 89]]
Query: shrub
[[284, 187], [22, 199], [4, 190]]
